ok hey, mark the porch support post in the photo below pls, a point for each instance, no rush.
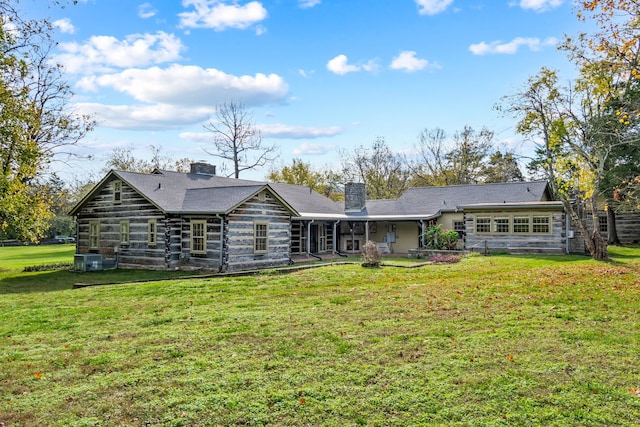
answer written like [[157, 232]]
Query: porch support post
[[335, 237], [309, 235], [366, 231]]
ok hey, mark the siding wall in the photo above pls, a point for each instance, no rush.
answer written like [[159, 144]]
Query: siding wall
[[239, 235], [133, 208], [553, 243]]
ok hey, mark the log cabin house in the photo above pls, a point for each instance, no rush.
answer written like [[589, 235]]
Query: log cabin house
[[198, 220]]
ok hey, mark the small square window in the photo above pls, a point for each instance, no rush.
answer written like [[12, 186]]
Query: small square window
[[602, 224], [541, 224], [521, 224], [501, 224], [483, 224]]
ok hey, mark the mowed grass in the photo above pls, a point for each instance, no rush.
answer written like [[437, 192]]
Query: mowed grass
[[489, 341]]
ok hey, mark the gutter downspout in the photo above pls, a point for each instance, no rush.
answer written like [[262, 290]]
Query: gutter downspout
[[567, 224], [221, 256], [335, 239]]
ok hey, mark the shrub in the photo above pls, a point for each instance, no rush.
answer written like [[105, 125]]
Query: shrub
[[437, 238], [445, 259], [371, 254]]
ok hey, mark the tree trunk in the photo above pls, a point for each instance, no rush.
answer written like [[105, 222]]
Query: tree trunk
[[613, 238], [597, 246]]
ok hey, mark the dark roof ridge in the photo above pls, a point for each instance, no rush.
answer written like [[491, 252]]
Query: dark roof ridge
[[482, 183]]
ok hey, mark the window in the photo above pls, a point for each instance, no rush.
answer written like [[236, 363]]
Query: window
[[124, 232], [501, 224], [117, 192], [521, 224], [602, 224], [152, 229], [483, 224], [260, 237], [94, 234], [458, 226], [541, 224], [199, 237]]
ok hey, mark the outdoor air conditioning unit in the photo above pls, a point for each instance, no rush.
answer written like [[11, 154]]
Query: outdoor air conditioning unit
[[87, 262]]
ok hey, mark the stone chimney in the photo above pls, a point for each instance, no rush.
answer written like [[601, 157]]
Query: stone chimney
[[203, 168], [355, 197]]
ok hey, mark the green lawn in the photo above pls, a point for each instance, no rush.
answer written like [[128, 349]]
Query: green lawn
[[489, 341]]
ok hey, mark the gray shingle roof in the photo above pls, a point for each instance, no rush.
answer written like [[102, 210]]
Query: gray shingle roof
[[187, 192], [176, 192]]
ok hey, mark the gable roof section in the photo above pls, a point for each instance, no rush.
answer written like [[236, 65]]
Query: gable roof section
[[175, 192], [309, 203], [435, 200]]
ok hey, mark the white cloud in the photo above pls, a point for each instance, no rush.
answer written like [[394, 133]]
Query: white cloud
[[296, 132], [192, 85], [539, 5], [305, 4], [220, 16], [64, 25], [339, 65], [432, 7], [144, 117], [104, 53], [309, 149], [510, 48], [407, 61], [146, 11]]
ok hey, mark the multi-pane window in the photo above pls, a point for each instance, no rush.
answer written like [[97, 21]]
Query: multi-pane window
[[152, 231], [501, 224], [94, 234], [117, 191], [521, 224], [199, 237], [458, 226], [602, 224], [483, 224], [260, 237], [541, 224], [124, 232]]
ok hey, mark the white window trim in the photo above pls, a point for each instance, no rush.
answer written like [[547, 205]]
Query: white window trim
[[117, 190], [493, 226], [257, 238], [202, 251], [94, 225], [125, 232], [152, 233]]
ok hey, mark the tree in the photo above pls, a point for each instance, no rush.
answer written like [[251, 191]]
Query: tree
[[123, 158], [37, 124], [237, 140], [501, 168], [384, 173], [614, 51], [324, 182], [469, 158], [566, 123]]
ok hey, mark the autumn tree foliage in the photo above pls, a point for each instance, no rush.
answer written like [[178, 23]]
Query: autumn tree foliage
[[326, 182], [37, 122], [584, 130]]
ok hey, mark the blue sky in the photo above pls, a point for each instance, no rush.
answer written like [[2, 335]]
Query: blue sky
[[319, 76]]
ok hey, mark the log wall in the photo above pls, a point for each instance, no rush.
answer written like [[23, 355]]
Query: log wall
[[552, 243]]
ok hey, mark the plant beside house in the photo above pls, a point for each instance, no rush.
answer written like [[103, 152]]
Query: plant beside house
[[437, 238], [371, 254]]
